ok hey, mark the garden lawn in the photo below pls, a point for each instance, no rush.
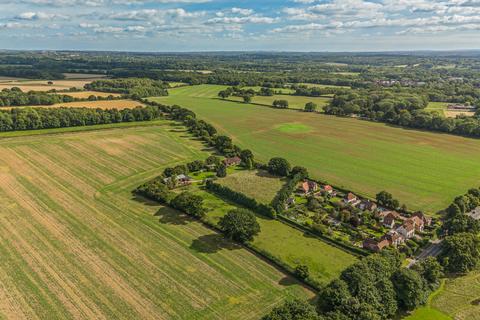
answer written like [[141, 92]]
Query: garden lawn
[[425, 170], [75, 244]]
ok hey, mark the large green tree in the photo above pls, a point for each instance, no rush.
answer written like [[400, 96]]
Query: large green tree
[[240, 225]]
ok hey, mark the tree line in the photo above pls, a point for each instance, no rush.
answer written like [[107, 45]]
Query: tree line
[[46, 118], [402, 110], [16, 97], [134, 87]]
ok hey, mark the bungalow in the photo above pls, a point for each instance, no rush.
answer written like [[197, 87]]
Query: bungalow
[[407, 230], [233, 161], [308, 186], [374, 245]]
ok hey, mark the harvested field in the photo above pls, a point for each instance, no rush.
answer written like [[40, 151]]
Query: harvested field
[[86, 94], [42, 85], [104, 104], [425, 170], [74, 244]]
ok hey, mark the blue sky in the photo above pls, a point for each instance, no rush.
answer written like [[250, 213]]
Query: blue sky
[[211, 25]]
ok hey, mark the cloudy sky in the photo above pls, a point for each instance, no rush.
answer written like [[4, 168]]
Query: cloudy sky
[[210, 25]]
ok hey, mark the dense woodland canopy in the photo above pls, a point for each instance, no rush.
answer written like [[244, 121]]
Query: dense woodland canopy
[[135, 87]]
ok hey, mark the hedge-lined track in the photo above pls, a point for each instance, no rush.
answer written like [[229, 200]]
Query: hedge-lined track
[[74, 244]]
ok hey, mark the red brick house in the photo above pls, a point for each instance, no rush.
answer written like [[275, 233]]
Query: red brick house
[[233, 161]]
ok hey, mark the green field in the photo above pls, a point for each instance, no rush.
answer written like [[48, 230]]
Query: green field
[[425, 170], [460, 298], [75, 244], [294, 102], [259, 185], [290, 245], [439, 107]]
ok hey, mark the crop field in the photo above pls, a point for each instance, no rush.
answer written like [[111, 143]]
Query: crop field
[[42, 85], [292, 246], [259, 185], [425, 170], [86, 94], [75, 244], [102, 104]]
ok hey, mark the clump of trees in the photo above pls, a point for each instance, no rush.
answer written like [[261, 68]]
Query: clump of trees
[[296, 175], [279, 167], [310, 107], [189, 203], [293, 310], [240, 225], [378, 287], [135, 87], [386, 200], [280, 104]]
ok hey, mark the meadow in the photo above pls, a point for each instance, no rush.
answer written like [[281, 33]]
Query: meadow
[[425, 170], [292, 246], [259, 185], [76, 244]]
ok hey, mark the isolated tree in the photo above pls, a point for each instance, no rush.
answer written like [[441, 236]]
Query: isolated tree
[[247, 98], [310, 107], [245, 155], [240, 225]]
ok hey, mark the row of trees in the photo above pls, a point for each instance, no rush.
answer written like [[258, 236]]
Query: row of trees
[[403, 111], [16, 97], [45, 118], [135, 87]]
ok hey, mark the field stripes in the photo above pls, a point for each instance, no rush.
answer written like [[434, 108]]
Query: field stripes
[[78, 246]]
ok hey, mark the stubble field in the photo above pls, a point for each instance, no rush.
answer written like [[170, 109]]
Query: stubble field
[[74, 244], [425, 170]]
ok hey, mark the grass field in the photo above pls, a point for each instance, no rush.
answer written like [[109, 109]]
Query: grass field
[[427, 312], [460, 298], [42, 85], [256, 184], [290, 245], [102, 104], [75, 244], [425, 170]]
